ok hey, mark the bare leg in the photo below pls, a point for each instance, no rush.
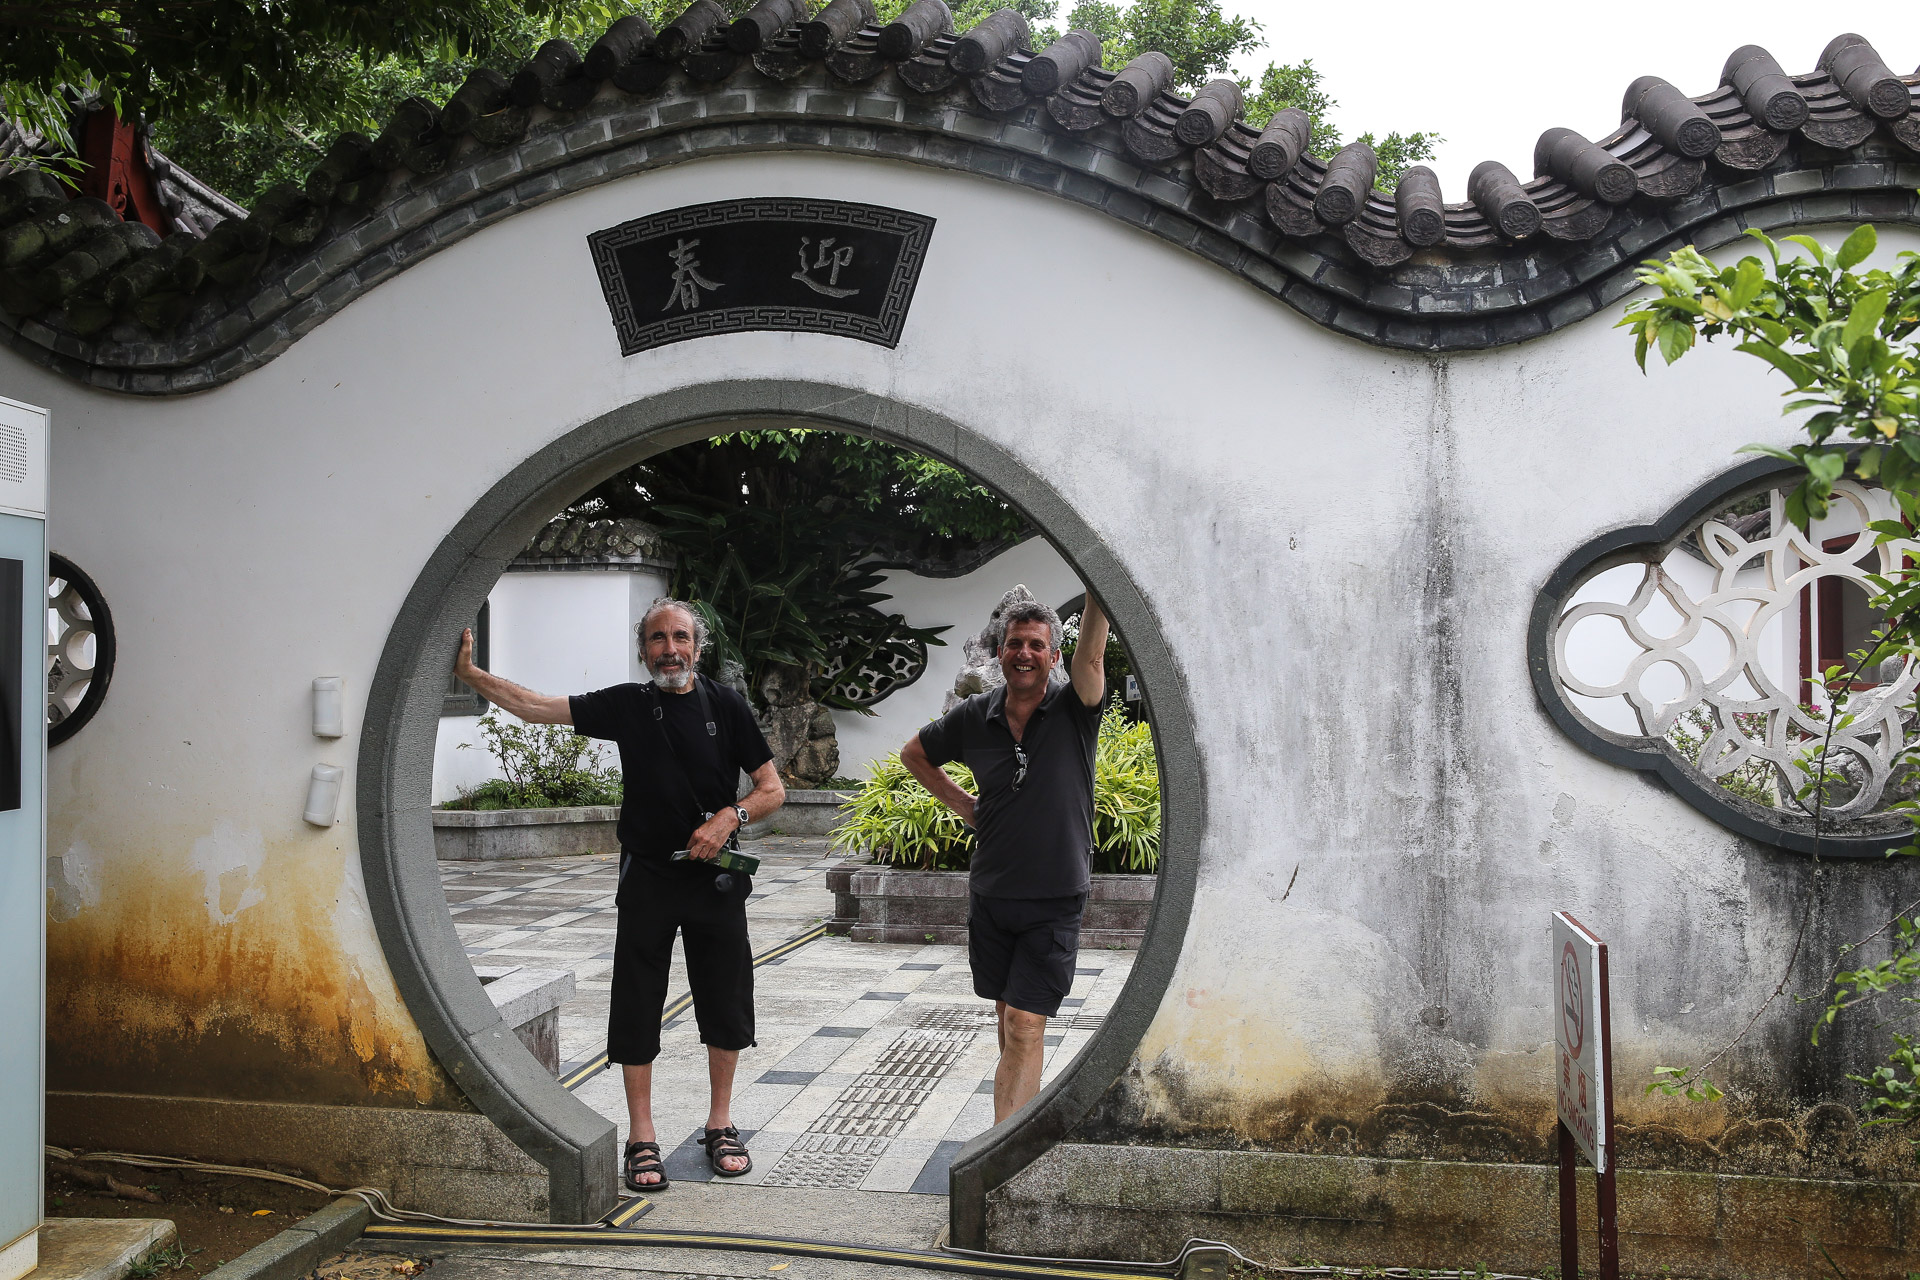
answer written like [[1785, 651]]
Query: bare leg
[[639, 1081], [720, 1067], [1023, 1050]]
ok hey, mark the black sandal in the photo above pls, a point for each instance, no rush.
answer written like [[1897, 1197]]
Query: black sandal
[[644, 1157], [721, 1144]]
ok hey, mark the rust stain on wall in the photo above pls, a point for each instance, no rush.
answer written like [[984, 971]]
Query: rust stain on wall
[[239, 982]]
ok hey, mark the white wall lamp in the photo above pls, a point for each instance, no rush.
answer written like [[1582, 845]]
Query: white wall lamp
[[329, 708], [323, 794]]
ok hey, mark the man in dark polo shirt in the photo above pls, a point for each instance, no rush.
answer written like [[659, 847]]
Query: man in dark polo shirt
[[1030, 744], [684, 741]]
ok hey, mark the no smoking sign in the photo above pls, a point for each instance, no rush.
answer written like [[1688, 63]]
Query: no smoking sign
[[1581, 1075], [1573, 1019]]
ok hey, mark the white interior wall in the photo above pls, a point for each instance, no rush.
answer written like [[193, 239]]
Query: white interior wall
[[557, 632], [1341, 543]]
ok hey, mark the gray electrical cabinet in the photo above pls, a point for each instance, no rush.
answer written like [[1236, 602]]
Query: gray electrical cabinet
[[23, 831]]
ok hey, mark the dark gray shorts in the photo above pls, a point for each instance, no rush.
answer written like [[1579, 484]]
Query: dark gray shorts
[[1022, 950]]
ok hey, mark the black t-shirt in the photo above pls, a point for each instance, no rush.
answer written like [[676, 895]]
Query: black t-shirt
[[1036, 842], [666, 794]]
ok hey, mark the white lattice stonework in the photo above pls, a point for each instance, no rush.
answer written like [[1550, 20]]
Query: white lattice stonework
[[1713, 644], [72, 650]]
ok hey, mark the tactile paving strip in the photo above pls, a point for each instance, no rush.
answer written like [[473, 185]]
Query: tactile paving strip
[[826, 1160], [954, 1017], [842, 1144]]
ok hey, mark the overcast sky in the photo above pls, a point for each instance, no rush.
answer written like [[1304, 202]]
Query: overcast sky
[[1490, 77]]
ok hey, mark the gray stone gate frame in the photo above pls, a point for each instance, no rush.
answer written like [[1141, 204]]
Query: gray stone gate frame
[[430, 966]]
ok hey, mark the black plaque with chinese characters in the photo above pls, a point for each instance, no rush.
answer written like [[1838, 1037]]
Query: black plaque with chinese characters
[[823, 266]]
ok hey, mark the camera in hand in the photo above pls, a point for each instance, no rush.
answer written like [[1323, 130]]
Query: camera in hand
[[728, 859]]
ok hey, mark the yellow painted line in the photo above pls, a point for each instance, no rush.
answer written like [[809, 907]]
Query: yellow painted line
[[680, 1004], [605, 1237], [631, 1209]]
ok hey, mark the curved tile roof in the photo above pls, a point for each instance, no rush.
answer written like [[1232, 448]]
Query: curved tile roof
[[192, 206], [569, 541], [1517, 258]]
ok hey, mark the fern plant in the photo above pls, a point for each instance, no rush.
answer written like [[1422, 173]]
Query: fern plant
[[897, 822]]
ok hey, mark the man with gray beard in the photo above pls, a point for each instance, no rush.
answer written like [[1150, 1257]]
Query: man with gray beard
[[684, 741]]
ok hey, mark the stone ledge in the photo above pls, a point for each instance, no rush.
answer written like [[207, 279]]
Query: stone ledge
[[507, 835], [893, 904], [1085, 1200], [453, 1163], [529, 1001], [303, 1246], [523, 817], [97, 1248], [806, 813]]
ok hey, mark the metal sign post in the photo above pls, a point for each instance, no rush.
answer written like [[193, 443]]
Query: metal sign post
[[1583, 1089]]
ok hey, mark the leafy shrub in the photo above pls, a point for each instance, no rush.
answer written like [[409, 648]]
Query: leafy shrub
[[548, 766], [899, 823]]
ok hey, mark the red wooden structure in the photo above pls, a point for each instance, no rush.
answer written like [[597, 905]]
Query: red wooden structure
[[115, 169]]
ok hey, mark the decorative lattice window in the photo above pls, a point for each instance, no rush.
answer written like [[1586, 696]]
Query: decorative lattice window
[[1698, 649], [80, 649], [862, 675]]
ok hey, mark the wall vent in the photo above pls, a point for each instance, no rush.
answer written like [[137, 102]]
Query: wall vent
[[13, 454]]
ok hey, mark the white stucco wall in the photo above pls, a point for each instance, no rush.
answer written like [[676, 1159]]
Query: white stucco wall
[[1341, 543], [558, 632], [962, 603]]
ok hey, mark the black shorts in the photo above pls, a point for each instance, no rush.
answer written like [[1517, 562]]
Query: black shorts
[[1022, 950], [656, 901]]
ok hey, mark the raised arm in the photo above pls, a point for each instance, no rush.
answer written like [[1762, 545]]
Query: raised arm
[[534, 708], [1089, 665], [935, 779]]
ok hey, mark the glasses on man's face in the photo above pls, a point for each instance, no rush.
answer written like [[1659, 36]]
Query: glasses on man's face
[[1019, 759]]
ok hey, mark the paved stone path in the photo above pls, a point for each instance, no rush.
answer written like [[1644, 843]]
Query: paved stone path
[[874, 1064]]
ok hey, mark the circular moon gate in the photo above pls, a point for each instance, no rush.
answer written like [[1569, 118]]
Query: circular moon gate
[[395, 777]]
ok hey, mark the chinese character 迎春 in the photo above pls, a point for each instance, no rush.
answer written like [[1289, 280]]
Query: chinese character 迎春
[[687, 280], [829, 262]]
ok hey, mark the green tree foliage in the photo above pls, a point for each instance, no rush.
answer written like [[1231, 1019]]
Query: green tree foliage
[[276, 128], [1298, 85], [247, 59], [1846, 336], [897, 822], [775, 533], [243, 152], [1199, 39]]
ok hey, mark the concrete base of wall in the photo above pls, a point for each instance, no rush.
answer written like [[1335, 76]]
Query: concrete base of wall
[[1143, 1203], [806, 813], [504, 835], [453, 1163], [890, 904], [97, 1248]]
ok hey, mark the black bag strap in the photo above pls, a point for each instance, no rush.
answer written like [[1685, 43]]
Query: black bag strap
[[673, 748]]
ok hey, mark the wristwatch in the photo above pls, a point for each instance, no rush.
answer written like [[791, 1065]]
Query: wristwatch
[[740, 812]]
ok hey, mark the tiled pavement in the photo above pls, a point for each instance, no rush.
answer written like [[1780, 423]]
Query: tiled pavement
[[874, 1063]]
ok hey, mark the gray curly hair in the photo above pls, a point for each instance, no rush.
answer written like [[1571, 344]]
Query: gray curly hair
[[1026, 611], [668, 602]]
